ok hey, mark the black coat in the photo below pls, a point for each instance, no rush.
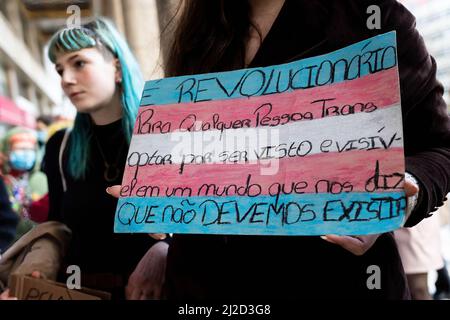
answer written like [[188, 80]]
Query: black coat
[[208, 267], [89, 211], [8, 219]]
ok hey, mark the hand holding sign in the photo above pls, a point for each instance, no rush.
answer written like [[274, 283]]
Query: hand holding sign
[[5, 295], [115, 192], [358, 245]]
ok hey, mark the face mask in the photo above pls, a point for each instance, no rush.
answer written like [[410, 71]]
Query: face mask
[[22, 160]]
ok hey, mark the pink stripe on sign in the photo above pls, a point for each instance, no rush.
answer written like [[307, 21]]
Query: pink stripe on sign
[[346, 172], [365, 94]]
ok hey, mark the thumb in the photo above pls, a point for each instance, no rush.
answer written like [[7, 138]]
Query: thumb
[[410, 188], [114, 190], [157, 236], [5, 296]]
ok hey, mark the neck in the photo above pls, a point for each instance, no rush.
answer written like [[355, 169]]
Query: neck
[[110, 114], [264, 13]]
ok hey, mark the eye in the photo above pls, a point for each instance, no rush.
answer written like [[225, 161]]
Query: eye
[[59, 71], [79, 64]]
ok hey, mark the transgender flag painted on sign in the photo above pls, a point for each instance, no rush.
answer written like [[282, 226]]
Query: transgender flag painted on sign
[[306, 148]]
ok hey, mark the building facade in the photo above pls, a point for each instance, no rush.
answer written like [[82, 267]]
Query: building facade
[[26, 89], [29, 86], [433, 22]]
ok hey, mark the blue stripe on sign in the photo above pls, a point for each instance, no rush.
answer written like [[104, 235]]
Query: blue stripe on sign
[[306, 214], [363, 58]]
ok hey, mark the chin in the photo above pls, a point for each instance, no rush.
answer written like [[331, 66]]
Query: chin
[[84, 110], [84, 107]]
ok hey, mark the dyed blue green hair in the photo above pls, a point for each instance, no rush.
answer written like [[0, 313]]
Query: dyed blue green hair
[[102, 35]]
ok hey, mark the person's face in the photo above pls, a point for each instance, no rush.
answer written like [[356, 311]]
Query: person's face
[[41, 125], [22, 155], [88, 79]]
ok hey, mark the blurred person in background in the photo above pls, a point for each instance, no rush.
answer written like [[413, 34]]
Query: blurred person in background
[[43, 123], [38, 180], [8, 219], [442, 283], [420, 251], [19, 148]]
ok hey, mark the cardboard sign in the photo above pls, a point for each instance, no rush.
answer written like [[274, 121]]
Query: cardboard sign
[[29, 288], [305, 148]]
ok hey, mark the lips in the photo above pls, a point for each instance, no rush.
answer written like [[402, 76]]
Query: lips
[[75, 94]]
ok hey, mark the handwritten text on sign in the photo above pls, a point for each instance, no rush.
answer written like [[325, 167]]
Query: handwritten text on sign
[[309, 147]]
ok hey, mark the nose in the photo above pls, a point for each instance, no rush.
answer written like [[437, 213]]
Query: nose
[[67, 78]]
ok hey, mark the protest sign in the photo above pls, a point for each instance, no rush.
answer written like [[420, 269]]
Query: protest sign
[[310, 147], [29, 288]]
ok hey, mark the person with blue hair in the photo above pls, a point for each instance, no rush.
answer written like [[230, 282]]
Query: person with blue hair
[[102, 80]]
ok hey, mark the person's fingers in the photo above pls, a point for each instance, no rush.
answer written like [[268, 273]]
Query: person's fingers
[[157, 236], [36, 274], [5, 296], [135, 293], [157, 292], [354, 245], [410, 188], [114, 190], [147, 295]]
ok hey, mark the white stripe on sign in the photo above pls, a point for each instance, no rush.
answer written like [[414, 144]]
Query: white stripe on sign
[[381, 129]]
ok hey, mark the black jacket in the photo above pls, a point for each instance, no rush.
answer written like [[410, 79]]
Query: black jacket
[[8, 219], [209, 267], [89, 211]]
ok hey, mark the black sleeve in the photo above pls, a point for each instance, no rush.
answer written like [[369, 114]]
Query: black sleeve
[[8, 219], [51, 169], [168, 239], [426, 123]]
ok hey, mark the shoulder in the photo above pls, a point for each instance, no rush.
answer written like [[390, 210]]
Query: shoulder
[[52, 149], [55, 140], [367, 7], [360, 14], [351, 21]]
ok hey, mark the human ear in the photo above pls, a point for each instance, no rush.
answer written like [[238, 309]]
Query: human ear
[[118, 72]]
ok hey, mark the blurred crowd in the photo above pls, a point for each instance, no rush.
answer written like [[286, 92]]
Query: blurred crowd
[[23, 182]]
